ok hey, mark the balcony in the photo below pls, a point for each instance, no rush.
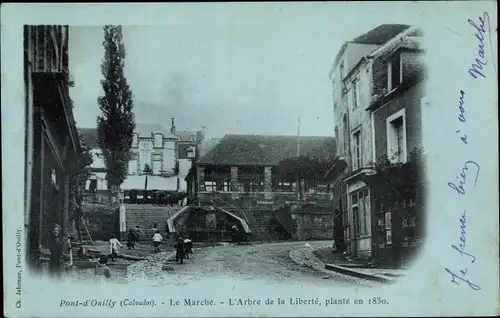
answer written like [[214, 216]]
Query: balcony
[[264, 198]]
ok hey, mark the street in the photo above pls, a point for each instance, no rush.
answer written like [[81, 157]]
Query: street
[[264, 262]]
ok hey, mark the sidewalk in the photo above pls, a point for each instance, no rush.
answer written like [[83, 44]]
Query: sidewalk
[[355, 267]]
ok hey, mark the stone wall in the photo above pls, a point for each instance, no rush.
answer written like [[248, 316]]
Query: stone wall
[[269, 219], [146, 215]]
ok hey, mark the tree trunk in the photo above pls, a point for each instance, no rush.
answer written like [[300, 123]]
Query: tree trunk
[[146, 188]]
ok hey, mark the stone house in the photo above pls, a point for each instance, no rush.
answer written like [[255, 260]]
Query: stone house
[[240, 174], [399, 92], [354, 128], [52, 145]]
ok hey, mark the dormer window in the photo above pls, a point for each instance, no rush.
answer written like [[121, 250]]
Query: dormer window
[[158, 140], [394, 72]]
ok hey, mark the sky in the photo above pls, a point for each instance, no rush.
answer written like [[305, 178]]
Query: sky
[[253, 70]]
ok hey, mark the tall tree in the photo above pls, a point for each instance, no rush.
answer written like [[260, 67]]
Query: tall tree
[[116, 124]]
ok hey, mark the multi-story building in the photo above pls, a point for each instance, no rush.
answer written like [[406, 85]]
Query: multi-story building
[[352, 77], [52, 145], [187, 146], [395, 110]]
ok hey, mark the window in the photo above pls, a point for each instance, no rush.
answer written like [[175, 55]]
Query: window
[[388, 228], [396, 137], [355, 94], [394, 72], [210, 186], [342, 71], [357, 150], [132, 167], [345, 134], [156, 167]]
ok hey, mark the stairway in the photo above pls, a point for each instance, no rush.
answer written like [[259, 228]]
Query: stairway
[[245, 215], [85, 237]]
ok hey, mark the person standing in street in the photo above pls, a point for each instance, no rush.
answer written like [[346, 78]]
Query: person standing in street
[[179, 250], [157, 238], [113, 247], [138, 232], [188, 247], [102, 268], [56, 253], [131, 238]]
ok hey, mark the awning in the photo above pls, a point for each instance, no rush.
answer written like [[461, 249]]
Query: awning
[[154, 182]]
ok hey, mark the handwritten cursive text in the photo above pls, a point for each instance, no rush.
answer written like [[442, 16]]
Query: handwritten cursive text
[[476, 68], [461, 276], [462, 178]]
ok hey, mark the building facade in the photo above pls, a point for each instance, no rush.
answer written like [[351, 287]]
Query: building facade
[[52, 145], [353, 77], [188, 146], [399, 90], [155, 146], [351, 91]]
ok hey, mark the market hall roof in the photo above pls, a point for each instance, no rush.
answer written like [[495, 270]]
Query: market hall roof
[[266, 149]]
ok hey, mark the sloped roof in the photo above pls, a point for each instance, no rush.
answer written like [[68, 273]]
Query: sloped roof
[[89, 137], [376, 36], [187, 135], [381, 34], [208, 145], [266, 149], [146, 130]]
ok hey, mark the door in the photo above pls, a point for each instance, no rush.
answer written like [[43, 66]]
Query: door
[[356, 229]]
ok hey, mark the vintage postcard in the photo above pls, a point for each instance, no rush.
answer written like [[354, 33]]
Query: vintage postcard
[[306, 159]]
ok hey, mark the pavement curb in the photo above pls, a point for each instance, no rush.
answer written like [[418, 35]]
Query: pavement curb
[[352, 272]]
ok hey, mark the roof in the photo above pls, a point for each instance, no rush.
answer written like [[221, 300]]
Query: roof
[[146, 130], [208, 145], [376, 36], [187, 135], [266, 149], [89, 137], [381, 34]]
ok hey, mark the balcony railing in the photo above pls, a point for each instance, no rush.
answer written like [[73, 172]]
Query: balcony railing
[[267, 197]]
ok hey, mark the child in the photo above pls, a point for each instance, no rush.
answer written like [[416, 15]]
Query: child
[[188, 246], [113, 247], [102, 268], [157, 238], [131, 239]]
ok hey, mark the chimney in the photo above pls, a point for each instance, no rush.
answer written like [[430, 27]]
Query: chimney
[[172, 129]]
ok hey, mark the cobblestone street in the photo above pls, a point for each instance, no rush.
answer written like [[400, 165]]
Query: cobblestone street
[[264, 262]]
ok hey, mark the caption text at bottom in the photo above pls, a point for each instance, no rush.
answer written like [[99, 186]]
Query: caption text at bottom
[[231, 302]]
